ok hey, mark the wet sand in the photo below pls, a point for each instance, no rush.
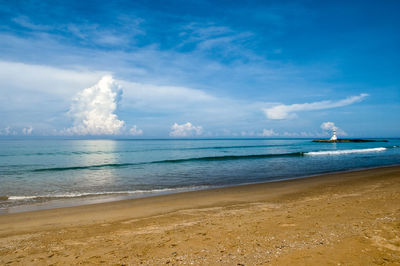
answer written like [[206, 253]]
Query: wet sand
[[346, 218]]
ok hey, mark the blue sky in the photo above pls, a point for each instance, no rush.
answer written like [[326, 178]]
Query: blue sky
[[199, 68]]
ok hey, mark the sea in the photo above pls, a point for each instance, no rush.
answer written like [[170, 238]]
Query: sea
[[42, 174]]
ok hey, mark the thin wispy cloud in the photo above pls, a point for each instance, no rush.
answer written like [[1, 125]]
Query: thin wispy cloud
[[141, 95], [209, 36], [283, 111], [26, 23]]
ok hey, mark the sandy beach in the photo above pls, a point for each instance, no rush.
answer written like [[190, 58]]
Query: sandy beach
[[348, 218]]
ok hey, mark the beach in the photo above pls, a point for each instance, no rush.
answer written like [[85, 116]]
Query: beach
[[350, 218], [199, 133]]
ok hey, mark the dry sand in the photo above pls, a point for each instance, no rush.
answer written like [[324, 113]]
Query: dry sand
[[348, 218]]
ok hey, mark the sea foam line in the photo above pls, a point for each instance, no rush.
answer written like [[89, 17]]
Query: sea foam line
[[339, 152], [104, 193]]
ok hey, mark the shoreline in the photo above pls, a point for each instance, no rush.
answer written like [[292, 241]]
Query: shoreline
[[71, 202], [327, 218]]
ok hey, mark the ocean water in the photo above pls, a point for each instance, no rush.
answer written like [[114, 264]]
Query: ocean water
[[36, 174]]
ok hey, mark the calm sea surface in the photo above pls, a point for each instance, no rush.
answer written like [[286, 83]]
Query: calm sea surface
[[37, 174]]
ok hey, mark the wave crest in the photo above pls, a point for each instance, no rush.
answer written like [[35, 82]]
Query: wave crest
[[340, 152]]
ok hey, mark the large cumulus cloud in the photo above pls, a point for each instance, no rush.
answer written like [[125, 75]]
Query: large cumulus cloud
[[93, 109]]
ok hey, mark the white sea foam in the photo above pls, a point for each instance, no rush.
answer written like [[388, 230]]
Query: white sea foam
[[21, 197], [104, 193], [340, 152]]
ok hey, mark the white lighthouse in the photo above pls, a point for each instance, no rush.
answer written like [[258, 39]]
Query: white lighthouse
[[334, 137]]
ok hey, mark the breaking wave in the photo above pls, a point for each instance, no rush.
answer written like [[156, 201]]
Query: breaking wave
[[340, 152]]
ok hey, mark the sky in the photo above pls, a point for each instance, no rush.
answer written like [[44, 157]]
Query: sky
[[199, 69]]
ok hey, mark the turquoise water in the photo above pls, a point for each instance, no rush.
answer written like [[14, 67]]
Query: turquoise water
[[63, 172]]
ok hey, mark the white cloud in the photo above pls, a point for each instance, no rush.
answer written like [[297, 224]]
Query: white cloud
[[185, 130], [44, 79], [329, 126], [144, 96], [283, 111], [146, 103], [7, 131], [306, 134], [26, 23], [27, 130], [135, 131], [268, 133], [93, 109], [246, 133], [157, 106], [57, 86], [290, 134]]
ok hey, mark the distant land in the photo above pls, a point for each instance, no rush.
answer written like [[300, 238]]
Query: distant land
[[348, 140]]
